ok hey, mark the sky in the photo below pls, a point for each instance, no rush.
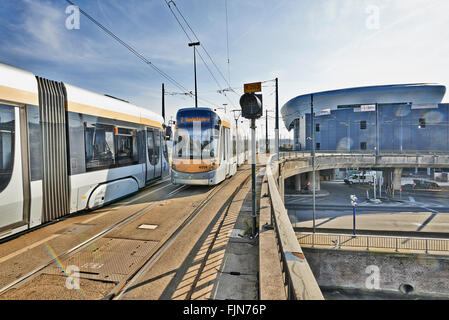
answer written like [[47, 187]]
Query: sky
[[310, 45]]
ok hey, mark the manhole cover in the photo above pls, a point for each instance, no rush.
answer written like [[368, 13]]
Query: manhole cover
[[147, 226]]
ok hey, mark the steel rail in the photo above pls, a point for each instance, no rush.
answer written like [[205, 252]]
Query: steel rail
[[68, 253], [124, 285]]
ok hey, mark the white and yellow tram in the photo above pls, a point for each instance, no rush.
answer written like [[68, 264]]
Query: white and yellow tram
[[64, 149], [207, 147]]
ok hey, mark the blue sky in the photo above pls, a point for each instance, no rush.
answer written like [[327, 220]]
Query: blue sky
[[310, 45]]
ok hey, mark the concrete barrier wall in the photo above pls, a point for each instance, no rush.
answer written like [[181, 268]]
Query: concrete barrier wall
[[301, 284], [428, 275]]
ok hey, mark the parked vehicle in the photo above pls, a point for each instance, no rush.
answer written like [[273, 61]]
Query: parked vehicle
[[360, 179]]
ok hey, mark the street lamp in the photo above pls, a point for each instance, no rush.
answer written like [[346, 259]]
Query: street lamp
[[194, 44], [236, 118]]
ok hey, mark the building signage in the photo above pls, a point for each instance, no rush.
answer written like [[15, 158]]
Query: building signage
[[368, 108], [324, 112], [424, 106], [252, 87]]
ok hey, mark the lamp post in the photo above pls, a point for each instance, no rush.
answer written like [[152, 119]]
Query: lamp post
[[354, 201], [312, 115], [194, 44], [236, 118]]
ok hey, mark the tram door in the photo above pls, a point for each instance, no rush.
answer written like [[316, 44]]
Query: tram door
[[11, 172], [225, 149], [154, 163]]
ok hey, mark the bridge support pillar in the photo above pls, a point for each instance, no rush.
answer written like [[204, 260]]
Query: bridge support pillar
[[317, 180], [298, 182], [397, 179]]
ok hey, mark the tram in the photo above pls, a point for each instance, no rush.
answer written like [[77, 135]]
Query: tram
[[208, 147], [64, 149]]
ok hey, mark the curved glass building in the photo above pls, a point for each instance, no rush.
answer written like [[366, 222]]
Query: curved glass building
[[391, 118]]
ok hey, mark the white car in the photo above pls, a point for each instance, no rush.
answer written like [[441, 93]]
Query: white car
[[360, 179]]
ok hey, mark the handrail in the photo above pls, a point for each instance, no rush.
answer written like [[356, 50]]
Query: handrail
[[300, 281], [398, 244]]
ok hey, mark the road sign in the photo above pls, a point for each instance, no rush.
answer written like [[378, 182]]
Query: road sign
[[252, 87], [354, 200]]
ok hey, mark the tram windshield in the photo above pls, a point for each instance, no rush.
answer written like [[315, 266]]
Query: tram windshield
[[196, 135]]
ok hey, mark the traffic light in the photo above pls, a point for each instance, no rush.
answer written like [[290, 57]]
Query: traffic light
[[251, 104]]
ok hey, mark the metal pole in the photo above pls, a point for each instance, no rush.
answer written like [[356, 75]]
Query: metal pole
[[312, 116], [276, 130], [196, 89], [163, 102], [377, 130], [253, 173], [267, 149], [237, 140], [193, 44], [353, 213]]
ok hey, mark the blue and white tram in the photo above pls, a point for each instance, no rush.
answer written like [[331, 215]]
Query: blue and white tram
[[205, 147], [64, 149]]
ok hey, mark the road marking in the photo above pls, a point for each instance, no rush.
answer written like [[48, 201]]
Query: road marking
[[31, 246], [412, 199]]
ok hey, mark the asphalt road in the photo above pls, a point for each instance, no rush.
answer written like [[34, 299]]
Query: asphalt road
[[337, 205]]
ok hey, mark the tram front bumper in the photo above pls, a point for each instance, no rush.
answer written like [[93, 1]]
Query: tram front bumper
[[198, 179]]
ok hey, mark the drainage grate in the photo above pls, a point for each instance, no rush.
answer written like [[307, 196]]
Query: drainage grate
[[107, 259]]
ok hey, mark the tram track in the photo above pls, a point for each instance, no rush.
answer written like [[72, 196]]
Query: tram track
[[122, 287], [70, 252], [145, 263]]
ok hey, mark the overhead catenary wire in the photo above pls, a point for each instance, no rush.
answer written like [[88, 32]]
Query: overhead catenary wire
[[136, 53], [202, 45], [221, 90], [199, 54], [227, 42]]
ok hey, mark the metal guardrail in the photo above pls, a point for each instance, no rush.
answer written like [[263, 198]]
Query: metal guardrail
[[373, 153], [299, 279], [398, 244]]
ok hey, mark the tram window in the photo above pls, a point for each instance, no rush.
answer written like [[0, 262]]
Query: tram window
[[165, 150], [35, 144], [99, 140], [126, 146], [177, 145], [154, 152], [124, 150], [7, 134], [151, 147], [223, 144]]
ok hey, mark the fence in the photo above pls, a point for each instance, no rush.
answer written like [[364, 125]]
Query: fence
[[398, 244]]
